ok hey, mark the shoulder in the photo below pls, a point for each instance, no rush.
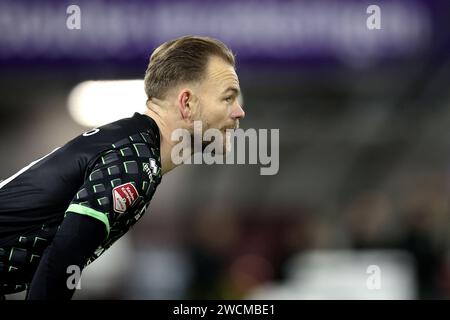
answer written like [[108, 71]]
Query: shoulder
[[134, 137]]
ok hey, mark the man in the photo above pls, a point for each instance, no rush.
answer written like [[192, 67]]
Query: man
[[66, 208]]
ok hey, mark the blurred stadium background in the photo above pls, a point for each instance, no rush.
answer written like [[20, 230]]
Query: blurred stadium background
[[364, 144]]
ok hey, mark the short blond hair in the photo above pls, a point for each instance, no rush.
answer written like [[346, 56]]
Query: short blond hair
[[182, 60]]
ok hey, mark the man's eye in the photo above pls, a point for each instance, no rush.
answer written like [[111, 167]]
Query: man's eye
[[229, 99]]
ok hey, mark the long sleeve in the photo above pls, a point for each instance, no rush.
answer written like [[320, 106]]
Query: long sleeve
[[73, 244]]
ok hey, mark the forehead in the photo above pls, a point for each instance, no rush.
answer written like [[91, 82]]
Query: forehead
[[220, 72]]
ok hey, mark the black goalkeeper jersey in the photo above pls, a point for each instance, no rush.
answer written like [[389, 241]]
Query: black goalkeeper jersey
[[109, 173]]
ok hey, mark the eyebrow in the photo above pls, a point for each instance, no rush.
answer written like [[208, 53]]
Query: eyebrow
[[235, 90]]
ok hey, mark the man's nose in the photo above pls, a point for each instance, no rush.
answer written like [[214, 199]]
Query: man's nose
[[238, 112]]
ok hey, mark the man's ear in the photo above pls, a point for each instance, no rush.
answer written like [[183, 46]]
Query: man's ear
[[184, 103]]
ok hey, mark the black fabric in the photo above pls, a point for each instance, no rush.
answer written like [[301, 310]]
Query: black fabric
[[73, 244], [109, 173]]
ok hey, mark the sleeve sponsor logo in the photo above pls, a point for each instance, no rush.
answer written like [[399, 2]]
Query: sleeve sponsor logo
[[124, 197]]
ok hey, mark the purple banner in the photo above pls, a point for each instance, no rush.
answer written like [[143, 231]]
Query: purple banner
[[270, 30]]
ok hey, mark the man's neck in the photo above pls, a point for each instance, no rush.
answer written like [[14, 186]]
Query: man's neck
[[166, 127]]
